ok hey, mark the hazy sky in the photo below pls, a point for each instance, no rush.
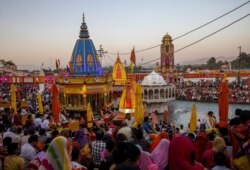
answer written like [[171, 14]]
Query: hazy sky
[[34, 32]]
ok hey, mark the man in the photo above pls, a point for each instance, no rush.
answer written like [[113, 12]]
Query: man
[[97, 147], [130, 120], [46, 123], [13, 161], [28, 151]]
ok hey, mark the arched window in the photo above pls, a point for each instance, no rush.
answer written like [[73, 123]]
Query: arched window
[[166, 94], [169, 92], [145, 94], [156, 94], [150, 94], [162, 94]]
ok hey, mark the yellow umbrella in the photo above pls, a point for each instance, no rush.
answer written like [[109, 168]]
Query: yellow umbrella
[[193, 119], [139, 105], [13, 97], [89, 116], [127, 101], [39, 101]]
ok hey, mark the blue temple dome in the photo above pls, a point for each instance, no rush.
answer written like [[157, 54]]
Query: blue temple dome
[[84, 59]]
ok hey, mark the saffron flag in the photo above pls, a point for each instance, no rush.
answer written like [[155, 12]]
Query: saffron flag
[[132, 60]]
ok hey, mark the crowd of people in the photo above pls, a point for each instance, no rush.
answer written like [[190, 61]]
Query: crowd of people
[[120, 145], [207, 91]]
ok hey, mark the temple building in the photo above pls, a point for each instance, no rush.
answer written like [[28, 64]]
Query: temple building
[[156, 92], [85, 82], [167, 58]]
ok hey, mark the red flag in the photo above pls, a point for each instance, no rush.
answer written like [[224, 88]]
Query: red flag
[[132, 57]]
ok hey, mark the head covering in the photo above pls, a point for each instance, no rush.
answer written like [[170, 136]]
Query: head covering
[[201, 144], [81, 138], [145, 162], [219, 144], [182, 154], [157, 140], [160, 154], [57, 155]]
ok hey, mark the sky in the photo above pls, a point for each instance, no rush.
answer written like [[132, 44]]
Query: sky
[[33, 32]]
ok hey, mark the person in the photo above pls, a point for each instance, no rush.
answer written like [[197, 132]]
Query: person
[[38, 121], [182, 155], [57, 155], [46, 123], [140, 140], [80, 138], [201, 144], [129, 120], [146, 126], [145, 162], [75, 155], [13, 161], [219, 145], [160, 154], [97, 147], [211, 120], [107, 161], [28, 151], [157, 140], [220, 161], [155, 120]]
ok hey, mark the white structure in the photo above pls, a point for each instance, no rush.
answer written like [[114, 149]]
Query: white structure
[[156, 91]]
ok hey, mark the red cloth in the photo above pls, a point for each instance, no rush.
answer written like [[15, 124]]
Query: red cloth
[[223, 104], [208, 159], [182, 154], [201, 144]]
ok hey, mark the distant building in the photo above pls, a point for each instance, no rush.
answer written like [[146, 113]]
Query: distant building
[[167, 58]]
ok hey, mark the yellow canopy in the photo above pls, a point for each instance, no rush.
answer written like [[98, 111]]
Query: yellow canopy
[[127, 101], [13, 97], [40, 103], [193, 118]]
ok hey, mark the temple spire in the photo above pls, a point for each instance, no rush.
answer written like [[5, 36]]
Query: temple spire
[[84, 33]]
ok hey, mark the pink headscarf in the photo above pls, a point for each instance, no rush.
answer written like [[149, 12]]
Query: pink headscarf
[[182, 154], [160, 154], [145, 162]]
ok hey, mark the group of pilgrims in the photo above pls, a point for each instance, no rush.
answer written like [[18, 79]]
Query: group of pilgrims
[[39, 144]]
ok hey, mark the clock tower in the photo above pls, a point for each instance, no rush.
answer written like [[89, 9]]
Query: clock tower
[[167, 58]]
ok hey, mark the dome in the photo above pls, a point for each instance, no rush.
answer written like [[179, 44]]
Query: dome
[[153, 79], [167, 38], [84, 60], [119, 73]]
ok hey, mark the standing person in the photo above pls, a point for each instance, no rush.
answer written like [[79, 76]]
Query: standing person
[[97, 147], [165, 116], [130, 120], [28, 151], [211, 120], [155, 119], [46, 123], [13, 161]]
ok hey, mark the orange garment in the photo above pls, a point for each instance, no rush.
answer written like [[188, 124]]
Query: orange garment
[[156, 141]]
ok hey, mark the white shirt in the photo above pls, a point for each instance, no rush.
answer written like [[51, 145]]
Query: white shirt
[[28, 153], [45, 124], [130, 122], [38, 121]]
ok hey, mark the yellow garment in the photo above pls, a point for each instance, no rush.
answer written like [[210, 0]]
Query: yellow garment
[[193, 119], [14, 162]]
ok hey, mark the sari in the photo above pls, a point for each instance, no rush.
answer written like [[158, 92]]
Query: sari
[[157, 140], [182, 154], [160, 154]]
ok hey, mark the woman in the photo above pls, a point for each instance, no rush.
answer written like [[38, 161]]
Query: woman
[[219, 145], [160, 154], [156, 141], [182, 155], [80, 138], [145, 162], [57, 155]]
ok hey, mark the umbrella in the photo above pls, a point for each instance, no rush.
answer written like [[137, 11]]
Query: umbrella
[[193, 118], [13, 97], [39, 101], [89, 116], [223, 103], [138, 106], [127, 101], [55, 103]]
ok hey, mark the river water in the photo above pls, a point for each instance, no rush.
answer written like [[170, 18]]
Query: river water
[[180, 111]]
